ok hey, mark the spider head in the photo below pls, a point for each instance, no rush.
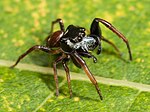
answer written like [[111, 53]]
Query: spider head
[[74, 33], [71, 36]]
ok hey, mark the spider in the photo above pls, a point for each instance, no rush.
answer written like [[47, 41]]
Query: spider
[[73, 43]]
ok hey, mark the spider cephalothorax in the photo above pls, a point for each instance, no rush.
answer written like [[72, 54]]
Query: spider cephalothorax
[[75, 39], [73, 43]]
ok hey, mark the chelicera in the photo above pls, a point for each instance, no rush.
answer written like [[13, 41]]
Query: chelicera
[[73, 43]]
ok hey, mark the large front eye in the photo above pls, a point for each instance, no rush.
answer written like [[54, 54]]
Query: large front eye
[[76, 39]]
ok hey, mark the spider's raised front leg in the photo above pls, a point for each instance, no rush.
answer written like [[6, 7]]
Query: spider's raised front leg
[[95, 30]]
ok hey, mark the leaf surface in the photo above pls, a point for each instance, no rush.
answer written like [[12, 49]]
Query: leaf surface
[[124, 84]]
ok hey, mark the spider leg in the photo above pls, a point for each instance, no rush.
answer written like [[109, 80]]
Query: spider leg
[[88, 55], [59, 59], [67, 75], [95, 30], [112, 44], [87, 71], [61, 24], [36, 47]]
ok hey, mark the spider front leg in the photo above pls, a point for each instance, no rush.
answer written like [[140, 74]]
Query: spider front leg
[[36, 47], [95, 29], [87, 71]]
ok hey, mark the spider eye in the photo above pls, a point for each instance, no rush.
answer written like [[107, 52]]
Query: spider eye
[[76, 39], [82, 29]]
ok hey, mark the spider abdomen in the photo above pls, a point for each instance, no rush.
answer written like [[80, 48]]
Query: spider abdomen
[[54, 39]]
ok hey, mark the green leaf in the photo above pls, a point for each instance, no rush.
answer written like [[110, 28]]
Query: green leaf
[[125, 85]]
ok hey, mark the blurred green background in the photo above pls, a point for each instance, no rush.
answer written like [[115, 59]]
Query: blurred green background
[[24, 23]]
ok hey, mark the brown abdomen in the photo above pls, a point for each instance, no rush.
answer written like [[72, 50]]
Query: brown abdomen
[[53, 39]]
